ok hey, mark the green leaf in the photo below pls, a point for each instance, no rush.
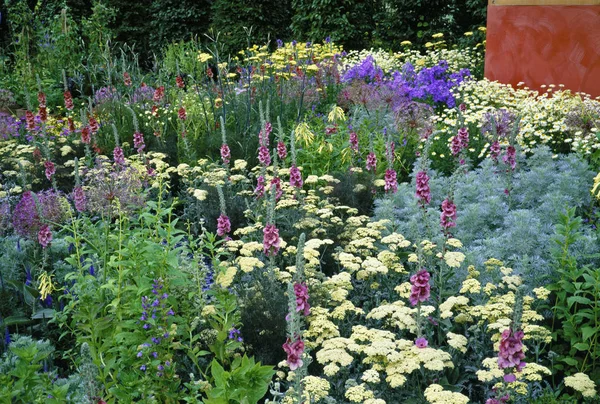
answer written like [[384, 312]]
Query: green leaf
[[582, 346], [44, 313], [587, 332], [570, 361], [578, 299]]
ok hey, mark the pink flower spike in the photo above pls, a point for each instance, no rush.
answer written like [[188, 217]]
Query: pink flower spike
[[225, 153], [44, 236], [281, 150], [223, 225], [423, 192], [448, 215], [301, 291], [391, 184], [296, 177], [294, 351], [271, 240], [371, 162], [50, 169], [420, 290]]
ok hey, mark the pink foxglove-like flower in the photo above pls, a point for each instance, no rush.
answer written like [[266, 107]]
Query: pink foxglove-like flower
[[93, 124], [30, 119], [264, 157], [510, 158], [225, 153], [45, 236], [118, 156], [391, 184], [223, 225], [423, 191], [448, 215], [180, 82], [281, 150], [277, 182], [511, 350], [294, 351], [259, 191], [354, 142], [301, 291], [371, 161], [296, 177], [79, 198], [138, 142], [50, 169], [495, 151], [420, 289], [271, 240]]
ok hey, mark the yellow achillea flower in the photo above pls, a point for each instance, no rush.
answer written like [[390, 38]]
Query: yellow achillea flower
[[436, 394], [225, 279], [581, 383], [458, 342], [454, 258], [46, 285], [359, 394], [315, 388]]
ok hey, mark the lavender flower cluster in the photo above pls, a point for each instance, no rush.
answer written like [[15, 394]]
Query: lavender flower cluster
[[33, 209]]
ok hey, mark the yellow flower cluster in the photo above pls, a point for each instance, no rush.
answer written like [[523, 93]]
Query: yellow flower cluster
[[581, 383], [436, 394], [315, 388]]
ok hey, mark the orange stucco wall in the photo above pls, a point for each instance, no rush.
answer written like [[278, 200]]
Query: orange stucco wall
[[544, 45]]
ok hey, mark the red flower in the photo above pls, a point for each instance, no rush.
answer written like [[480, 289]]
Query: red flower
[[94, 125], [30, 118], [85, 135], [68, 100], [180, 82], [182, 114]]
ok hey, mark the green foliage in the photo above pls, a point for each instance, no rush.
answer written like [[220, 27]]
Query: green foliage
[[22, 376], [241, 23], [576, 309], [245, 382]]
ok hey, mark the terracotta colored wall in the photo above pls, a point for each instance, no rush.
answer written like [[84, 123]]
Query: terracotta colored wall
[[544, 45]]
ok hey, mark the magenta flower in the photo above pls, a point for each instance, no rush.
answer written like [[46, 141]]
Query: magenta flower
[[448, 215], [281, 150], [421, 343], [510, 157], [118, 156], [510, 378], [223, 225], [423, 191], [271, 240], [354, 141], [179, 81], [462, 107], [277, 182], [511, 350], [259, 191], [138, 142], [268, 130], [296, 177], [420, 289], [225, 153], [45, 236], [391, 184], [264, 157], [50, 169], [495, 151], [460, 141], [294, 351], [301, 291], [371, 161], [79, 198]]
